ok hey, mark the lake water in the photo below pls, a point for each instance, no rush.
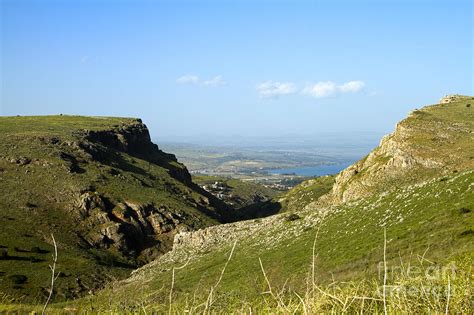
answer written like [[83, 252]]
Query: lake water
[[319, 170]]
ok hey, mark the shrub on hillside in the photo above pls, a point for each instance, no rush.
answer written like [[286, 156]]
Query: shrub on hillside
[[18, 279], [464, 210], [292, 217], [37, 250]]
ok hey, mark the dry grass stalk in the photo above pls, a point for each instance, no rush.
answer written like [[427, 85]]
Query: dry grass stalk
[[172, 283], [54, 276], [211, 292]]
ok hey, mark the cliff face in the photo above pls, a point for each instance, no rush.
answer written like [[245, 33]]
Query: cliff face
[[144, 228], [110, 196], [134, 139], [436, 139]]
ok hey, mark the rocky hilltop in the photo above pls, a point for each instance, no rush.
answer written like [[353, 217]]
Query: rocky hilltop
[[110, 196], [437, 139]]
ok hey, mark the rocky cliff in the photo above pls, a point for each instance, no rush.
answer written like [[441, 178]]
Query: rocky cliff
[[136, 229], [110, 196], [437, 139]]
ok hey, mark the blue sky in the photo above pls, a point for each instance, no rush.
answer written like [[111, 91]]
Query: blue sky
[[221, 68]]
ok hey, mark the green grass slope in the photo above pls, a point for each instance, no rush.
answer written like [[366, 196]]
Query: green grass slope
[[112, 199], [309, 191]]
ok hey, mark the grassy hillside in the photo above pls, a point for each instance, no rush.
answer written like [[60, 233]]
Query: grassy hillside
[[112, 199], [306, 193]]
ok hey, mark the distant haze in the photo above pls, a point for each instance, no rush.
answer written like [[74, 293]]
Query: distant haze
[[354, 144], [304, 151]]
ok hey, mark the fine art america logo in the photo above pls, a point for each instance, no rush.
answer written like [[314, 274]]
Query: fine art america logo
[[415, 281]]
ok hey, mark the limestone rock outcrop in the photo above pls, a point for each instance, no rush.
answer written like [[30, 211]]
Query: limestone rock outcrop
[[423, 143]]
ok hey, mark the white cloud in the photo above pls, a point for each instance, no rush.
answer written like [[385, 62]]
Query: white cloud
[[321, 89], [351, 86], [215, 81], [329, 88], [188, 79], [275, 89], [195, 80]]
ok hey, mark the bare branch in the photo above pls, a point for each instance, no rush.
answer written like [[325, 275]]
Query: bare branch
[[54, 276]]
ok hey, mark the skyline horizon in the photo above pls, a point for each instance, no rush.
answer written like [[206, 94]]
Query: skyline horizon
[[197, 137]]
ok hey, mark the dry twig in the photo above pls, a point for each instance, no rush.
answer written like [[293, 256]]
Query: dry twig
[[54, 276]]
